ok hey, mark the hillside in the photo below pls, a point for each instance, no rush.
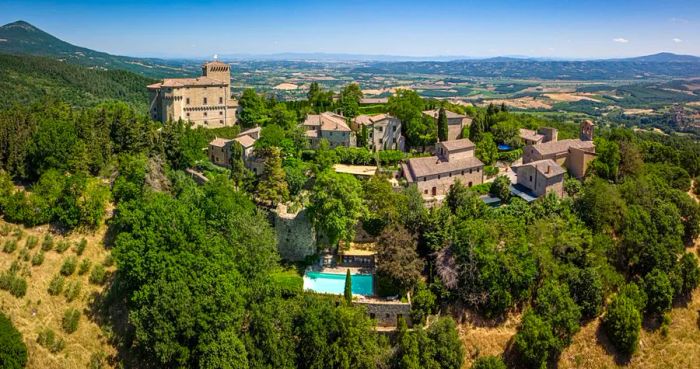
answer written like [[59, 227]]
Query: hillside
[[25, 79], [22, 38]]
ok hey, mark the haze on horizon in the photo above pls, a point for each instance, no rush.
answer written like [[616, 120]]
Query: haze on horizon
[[547, 28]]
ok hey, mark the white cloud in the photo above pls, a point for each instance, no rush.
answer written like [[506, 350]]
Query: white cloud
[[621, 40], [677, 40]]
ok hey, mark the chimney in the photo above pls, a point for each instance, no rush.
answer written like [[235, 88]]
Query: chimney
[[548, 168]]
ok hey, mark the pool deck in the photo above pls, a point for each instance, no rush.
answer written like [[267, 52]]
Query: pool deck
[[342, 270]]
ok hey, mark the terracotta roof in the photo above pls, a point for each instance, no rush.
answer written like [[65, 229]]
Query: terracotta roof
[[420, 167], [219, 142], [530, 135], [328, 122], [245, 141], [450, 115], [187, 82], [458, 145], [555, 147], [251, 131], [548, 168], [369, 120]]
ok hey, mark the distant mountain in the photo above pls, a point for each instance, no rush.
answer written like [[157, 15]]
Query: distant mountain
[[22, 38], [663, 58], [25, 79], [333, 57]]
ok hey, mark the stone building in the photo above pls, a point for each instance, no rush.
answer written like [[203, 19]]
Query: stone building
[[573, 154], [454, 161], [384, 131], [220, 150], [205, 101], [545, 164], [542, 135], [542, 177], [329, 126], [455, 122]]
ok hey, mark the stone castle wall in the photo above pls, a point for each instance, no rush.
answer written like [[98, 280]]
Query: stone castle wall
[[296, 238], [387, 313]]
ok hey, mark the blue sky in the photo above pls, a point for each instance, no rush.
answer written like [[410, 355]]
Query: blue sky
[[547, 28]]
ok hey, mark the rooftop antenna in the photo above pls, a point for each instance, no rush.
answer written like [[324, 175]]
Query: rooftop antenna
[[216, 56]]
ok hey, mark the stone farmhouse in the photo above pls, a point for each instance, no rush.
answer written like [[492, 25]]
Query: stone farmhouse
[[454, 161], [205, 101], [384, 131], [329, 126], [455, 122], [542, 135], [545, 164], [220, 150]]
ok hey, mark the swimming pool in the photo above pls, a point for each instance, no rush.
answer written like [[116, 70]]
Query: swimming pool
[[362, 284], [504, 147]]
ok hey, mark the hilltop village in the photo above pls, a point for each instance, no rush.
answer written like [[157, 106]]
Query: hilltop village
[[205, 229]]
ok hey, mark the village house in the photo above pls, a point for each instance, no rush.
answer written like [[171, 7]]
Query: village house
[[220, 150], [384, 131], [205, 101], [329, 126], [454, 161], [455, 122], [542, 135], [545, 164]]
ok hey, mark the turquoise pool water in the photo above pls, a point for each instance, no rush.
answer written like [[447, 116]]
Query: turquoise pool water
[[362, 284]]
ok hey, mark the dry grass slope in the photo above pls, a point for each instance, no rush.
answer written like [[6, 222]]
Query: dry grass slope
[[38, 310]]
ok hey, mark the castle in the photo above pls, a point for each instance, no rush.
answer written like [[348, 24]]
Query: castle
[[205, 101]]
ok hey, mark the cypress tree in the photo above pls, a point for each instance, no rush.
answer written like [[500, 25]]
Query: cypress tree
[[442, 125], [348, 288]]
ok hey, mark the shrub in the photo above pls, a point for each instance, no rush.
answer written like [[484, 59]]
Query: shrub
[[56, 285], [490, 170], [80, 247], [534, 340], [10, 246], [24, 254], [38, 258], [13, 351], [108, 261], [84, 267], [622, 324], [11, 282], [69, 265], [489, 362], [71, 318], [98, 275], [689, 273], [72, 291], [423, 303], [97, 360], [31, 242], [47, 339], [659, 292], [500, 187], [5, 229], [62, 246], [47, 243]]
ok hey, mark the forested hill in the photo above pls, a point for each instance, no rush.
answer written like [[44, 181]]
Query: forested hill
[[662, 65], [22, 38], [25, 79]]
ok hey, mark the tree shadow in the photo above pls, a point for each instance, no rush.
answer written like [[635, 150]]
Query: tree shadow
[[109, 311], [603, 340]]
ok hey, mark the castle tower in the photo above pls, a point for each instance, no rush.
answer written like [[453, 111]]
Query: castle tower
[[587, 128], [218, 71]]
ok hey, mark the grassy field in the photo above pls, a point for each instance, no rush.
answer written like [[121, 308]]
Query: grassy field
[[38, 310]]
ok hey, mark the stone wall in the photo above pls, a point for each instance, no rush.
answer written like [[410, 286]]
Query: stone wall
[[296, 238], [387, 313]]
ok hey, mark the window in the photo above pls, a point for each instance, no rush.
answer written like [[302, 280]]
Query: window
[[221, 121], [221, 100], [394, 128], [470, 171], [425, 179], [381, 129], [187, 101], [205, 101], [188, 115], [221, 113], [462, 172], [205, 114], [438, 176], [530, 178], [425, 192], [381, 140], [470, 184]]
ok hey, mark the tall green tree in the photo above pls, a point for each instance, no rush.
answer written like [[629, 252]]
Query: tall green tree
[[350, 97], [272, 187], [13, 351], [398, 259], [442, 130], [336, 205], [347, 291], [486, 149], [253, 110]]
